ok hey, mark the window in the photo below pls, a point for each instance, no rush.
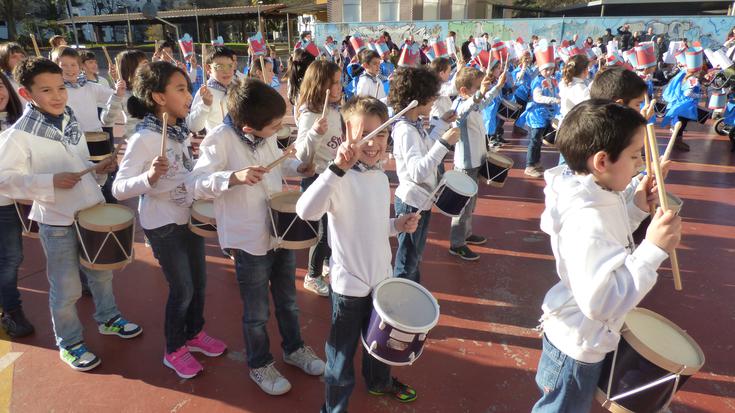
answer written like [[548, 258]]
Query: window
[[431, 9], [351, 11], [389, 10], [459, 9]]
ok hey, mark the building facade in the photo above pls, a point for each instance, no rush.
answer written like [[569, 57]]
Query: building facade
[[407, 10]]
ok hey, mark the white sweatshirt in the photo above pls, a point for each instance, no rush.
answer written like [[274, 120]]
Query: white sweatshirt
[[320, 149], [85, 100], [165, 202], [572, 94], [241, 211], [443, 102], [471, 148], [602, 276], [27, 167], [368, 85], [207, 117], [358, 207], [417, 159], [116, 112]]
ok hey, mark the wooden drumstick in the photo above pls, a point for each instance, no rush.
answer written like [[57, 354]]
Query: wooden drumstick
[[326, 104], [670, 145], [650, 137], [290, 150], [204, 66], [262, 68], [107, 56], [664, 201], [35, 45], [395, 117], [164, 134]]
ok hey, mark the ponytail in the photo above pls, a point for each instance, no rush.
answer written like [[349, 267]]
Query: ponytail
[[575, 66]]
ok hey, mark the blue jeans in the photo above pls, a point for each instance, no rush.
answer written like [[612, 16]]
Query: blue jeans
[[62, 268], [254, 274], [533, 155], [461, 227], [566, 385], [11, 256], [349, 316], [320, 252], [180, 253], [411, 246]]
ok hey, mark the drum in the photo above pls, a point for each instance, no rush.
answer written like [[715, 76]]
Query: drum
[[284, 136], [659, 108], [29, 226], [653, 360], [201, 220], [106, 233], [403, 314], [509, 110], [99, 145], [290, 231], [454, 192], [703, 115], [717, 101], [550, 137], [496, 169]]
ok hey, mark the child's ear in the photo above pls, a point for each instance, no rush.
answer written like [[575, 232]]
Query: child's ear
[[159, 98], [247, 129], [25, 93], [620, 102], [600, 162]]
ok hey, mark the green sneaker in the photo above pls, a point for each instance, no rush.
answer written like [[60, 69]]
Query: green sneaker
[[118, 326], [401, 392], [79, 358]]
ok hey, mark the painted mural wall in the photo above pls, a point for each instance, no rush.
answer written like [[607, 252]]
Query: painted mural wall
[[711, 31]]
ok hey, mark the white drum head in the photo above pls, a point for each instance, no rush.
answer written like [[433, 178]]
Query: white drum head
[[460, 183], [284, 132], [662, 342], [406, 305], [500, 160], [204, 208], [106, 215], [285, 201]]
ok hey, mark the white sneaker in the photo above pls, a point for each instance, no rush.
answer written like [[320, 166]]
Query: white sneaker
[[270, 380], [305, 359], [325, 274], [316, 285]]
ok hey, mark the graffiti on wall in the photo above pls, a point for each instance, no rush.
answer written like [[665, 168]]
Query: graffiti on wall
[[711, 31]]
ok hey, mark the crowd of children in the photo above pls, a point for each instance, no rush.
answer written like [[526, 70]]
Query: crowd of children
[[595, 198]]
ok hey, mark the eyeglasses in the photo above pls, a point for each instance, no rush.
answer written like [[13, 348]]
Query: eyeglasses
[[222, 67]]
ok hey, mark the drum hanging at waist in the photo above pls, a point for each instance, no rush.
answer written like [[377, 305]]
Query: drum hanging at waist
[[202, 220], [105, 233], [289, 230], [454, 192], [703, 115], [509, 110], [495, 169], [99, 145], [29, 227]]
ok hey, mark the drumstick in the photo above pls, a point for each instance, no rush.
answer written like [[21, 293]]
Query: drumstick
[[664, 201], [290, 150], [164, 132], [650, 136], [395, 117], [35, 45], [670, 146], [262, 68], [204, 66], [174, 61], [326, 104], [107, 56]]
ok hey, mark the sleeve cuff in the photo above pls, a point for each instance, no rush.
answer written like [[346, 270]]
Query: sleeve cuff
[[650, 254]]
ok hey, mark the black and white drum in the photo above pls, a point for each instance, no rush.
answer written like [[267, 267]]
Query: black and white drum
[[106, 233], [29, 226], [550, 137], [202, 221], [284, 136], [290, 231], [509, 110], [703, 114], [99, 145], [454, 192], [496, 168], [403, 314], [653, 360]]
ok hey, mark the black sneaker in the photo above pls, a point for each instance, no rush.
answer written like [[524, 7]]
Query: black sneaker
[[499, 138], [465, 253], [16, 324], [476, 239]]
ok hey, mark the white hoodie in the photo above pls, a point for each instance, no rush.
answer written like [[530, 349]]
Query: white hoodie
[[602, 276]]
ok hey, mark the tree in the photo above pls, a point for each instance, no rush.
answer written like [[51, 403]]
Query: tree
[[10, 11]]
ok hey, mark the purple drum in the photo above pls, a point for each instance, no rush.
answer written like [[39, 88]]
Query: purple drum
[[403, 314]]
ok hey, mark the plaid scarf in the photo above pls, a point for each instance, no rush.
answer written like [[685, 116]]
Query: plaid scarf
[[81, 81], [251, 140], [33, 121], [213, 84], [363, 167], [418, 124], [178, 132]]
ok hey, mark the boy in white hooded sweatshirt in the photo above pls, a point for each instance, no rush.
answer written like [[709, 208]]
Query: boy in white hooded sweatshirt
[[592, 205]]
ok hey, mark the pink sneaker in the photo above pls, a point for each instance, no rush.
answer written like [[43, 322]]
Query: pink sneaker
[[209, 346], [183, 363]]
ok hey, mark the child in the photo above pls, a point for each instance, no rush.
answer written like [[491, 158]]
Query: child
[[355, 193], [317, 142], [91, 69], [620, 86], [684, 107], [116, 111], [591, 206], [574, 87], [298, 62], [57, 41], [475, 95], [442, 67], [164, 209], [10, 55], [369, 83], [386, 71], [493, 123], [231, 171], [257, 73], [11, 244], [418, 156], [40, 159], [210, 103]]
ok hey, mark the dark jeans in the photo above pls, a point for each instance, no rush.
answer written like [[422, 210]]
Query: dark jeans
[[319, 253], [11, 256], [533, 155], [410, 246], [684, 122], [349, 316], [254, 274], [180, 253]]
